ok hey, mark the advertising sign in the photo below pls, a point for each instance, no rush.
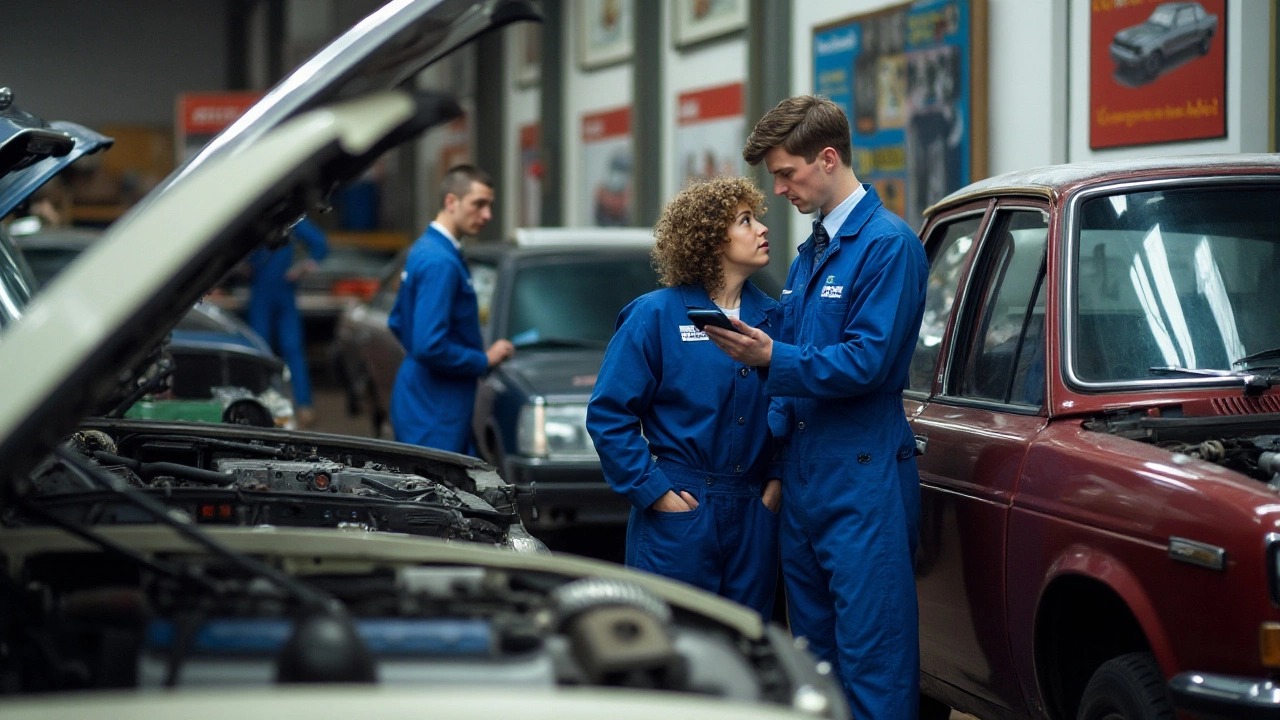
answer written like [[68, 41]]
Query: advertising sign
[[709, 133], [1157, 71], [201, 116], [905, 78], [606, 167]]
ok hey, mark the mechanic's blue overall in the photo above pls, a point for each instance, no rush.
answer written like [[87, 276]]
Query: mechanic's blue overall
[[851, 494], [704, 418], [273, 307], [437, 321]]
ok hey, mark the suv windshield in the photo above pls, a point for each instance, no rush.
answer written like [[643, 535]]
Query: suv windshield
[[1175, 279], [575, 298]]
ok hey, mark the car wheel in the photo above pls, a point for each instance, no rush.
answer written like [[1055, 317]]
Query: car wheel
[[931, 709], [1128, 687], [1153, 62], [1204, 44]]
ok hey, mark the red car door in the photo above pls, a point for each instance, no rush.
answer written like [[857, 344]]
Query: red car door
[[986, 408]]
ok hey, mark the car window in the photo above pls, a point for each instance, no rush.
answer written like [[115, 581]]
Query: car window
[[575, 298], [1005, 323], [946, 262], [1174, 278], [484, 280], [1186, 16]]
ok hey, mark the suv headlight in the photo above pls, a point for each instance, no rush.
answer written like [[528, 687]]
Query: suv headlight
[[554, 431]]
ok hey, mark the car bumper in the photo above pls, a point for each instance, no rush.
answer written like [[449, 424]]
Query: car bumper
[[565, 493], [1206, 695], [1125, 56]]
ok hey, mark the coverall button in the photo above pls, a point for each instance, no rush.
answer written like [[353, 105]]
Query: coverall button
[[737, 468], [801, 425], [864, 458], [710, 481], [742, 421], [744, 371]]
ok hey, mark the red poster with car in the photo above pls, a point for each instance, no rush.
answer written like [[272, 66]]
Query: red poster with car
[[606, 167], [1157, 72]]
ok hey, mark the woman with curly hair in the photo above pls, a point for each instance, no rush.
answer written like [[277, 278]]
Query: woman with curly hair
[[681, 429]]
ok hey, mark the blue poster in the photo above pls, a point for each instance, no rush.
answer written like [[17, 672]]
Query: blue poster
[[902, 76]]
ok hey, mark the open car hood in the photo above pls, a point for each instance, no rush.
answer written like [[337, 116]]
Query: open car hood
[[33, 151], [108, 311]]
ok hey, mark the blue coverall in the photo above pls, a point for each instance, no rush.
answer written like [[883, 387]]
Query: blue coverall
[[437, 320], [704, 418], [851, 494], [273, 307]]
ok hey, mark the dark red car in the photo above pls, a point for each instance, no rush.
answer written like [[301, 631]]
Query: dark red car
[[1094, 395]]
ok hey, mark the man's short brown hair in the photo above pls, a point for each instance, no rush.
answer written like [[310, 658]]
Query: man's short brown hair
[[801, 125], [458, 179]]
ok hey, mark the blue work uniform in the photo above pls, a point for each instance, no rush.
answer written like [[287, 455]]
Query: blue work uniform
[[851, 493], [273, 306], [670, 411], [437, 320]]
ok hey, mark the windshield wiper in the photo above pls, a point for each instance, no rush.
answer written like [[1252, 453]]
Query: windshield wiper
[[562, 342], [1271, 354], [1195, 372]]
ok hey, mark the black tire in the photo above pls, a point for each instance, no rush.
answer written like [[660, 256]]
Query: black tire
[[931, 709], [1128, 687], [1152, 63], [1204, 44]]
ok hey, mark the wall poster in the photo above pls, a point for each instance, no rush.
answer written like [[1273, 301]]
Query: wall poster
[[606, 167], [709, 132], [531, 173], [1157, 72], [912, 80]]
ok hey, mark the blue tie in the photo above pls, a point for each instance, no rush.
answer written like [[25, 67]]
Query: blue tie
[[820, 239]]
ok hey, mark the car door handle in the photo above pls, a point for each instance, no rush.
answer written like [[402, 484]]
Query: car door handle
[[922, 444]]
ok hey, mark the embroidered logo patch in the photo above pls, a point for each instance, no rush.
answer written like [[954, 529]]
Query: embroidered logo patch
[[831, 279], [832, 291], [691, 333]]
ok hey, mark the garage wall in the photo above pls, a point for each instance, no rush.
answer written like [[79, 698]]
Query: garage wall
[[98, 63], [1026, 81]]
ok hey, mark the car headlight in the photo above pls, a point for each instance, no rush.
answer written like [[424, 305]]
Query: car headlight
[[554, 431]]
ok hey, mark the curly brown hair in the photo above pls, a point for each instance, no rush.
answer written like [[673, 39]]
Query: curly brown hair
[[694, 228]]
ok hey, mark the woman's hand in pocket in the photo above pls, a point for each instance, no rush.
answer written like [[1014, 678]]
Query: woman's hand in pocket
[[671, 502], [772, 496]]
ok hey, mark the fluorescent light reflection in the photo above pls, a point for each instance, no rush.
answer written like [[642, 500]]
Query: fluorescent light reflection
[[1209, 284]]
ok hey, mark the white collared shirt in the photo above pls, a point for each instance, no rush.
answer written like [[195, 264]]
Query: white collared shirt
[[836, 218], [445, 231]]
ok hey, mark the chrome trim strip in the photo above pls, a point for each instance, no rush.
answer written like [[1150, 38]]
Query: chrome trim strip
[[963, 298], [1197, 553], [1224, 695], [1071, 221], [1042, 191]]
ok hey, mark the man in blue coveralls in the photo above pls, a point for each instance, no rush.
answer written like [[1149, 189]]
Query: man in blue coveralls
[[851, 311], [273, 307], [437, 320]]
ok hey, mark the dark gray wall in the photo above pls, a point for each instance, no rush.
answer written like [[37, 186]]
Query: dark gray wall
[[106, 62]]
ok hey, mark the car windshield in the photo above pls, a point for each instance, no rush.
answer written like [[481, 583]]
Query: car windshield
[[1175, 279], [1163, 16], [575, 299]]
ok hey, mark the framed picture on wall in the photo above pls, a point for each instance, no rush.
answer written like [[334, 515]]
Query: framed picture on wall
[[1157, 73], [912, 80], [604, 32], [698, 20]]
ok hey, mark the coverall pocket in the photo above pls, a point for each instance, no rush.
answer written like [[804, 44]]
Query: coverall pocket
[[669, 544]]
